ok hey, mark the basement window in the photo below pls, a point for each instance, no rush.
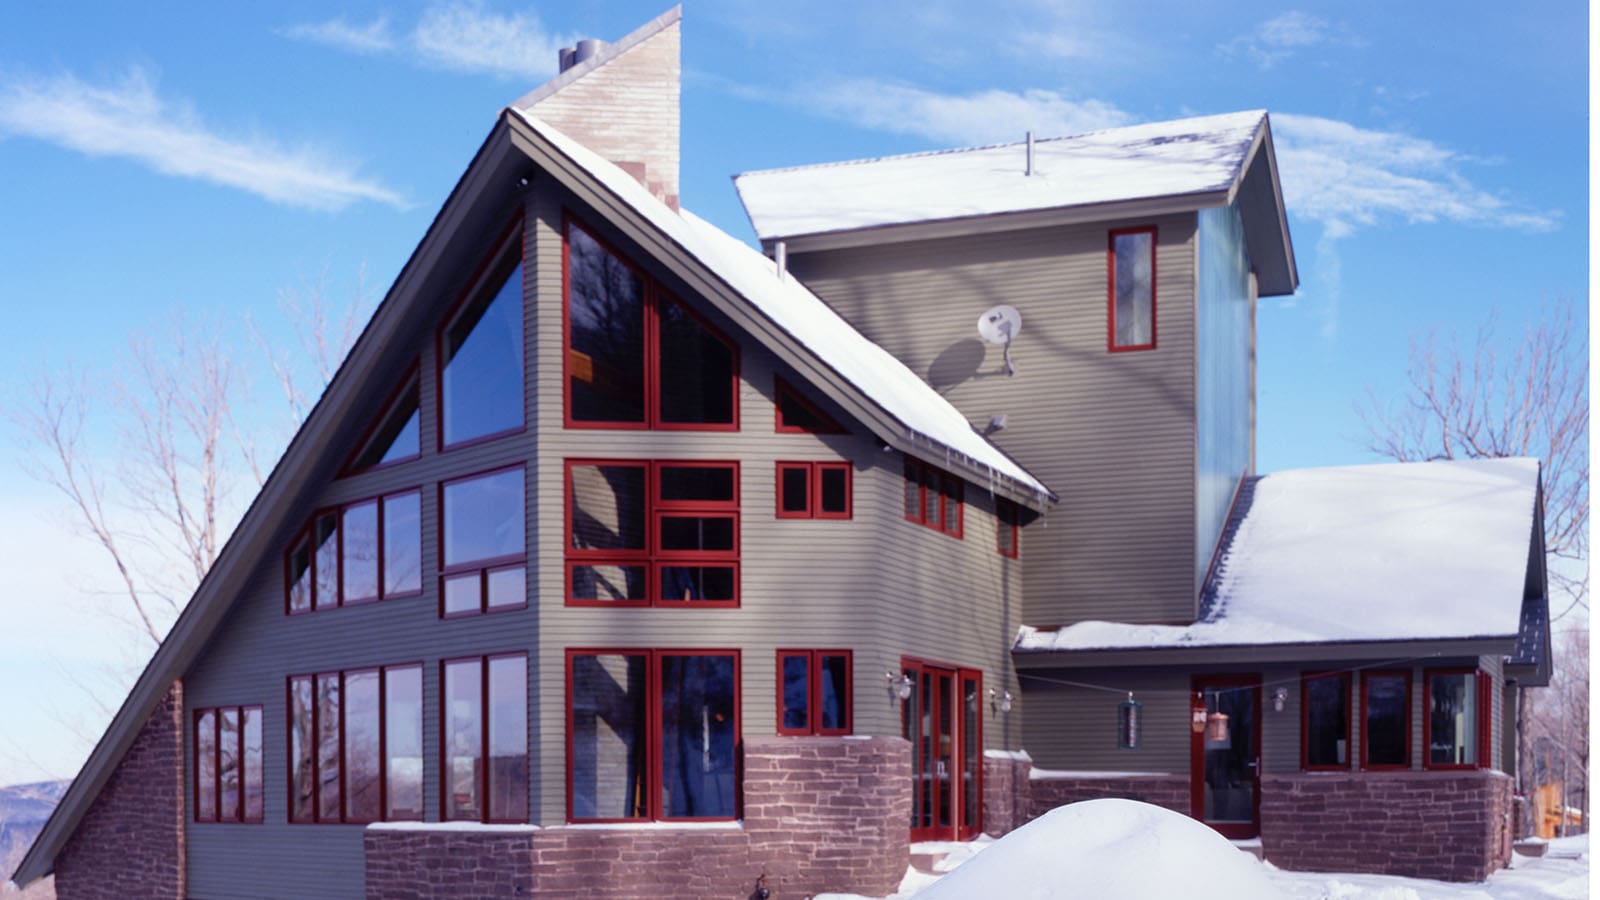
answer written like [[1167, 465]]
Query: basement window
[[1131, 304], [227, 764]]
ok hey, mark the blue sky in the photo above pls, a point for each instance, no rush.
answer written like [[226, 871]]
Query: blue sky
[[164, 160]]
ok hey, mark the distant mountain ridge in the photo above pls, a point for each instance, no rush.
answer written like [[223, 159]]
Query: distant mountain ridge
[[24, 808]]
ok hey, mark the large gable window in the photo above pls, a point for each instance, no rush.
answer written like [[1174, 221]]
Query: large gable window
[[480, 348], [359, 553], [484, 535], [355, 745], [1132, 289], [636, 357], [227, 764], [652, 533], [652, 734], [798, 415], [396, 436]]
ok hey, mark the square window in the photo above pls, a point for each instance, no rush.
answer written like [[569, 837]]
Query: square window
[[814, 691]]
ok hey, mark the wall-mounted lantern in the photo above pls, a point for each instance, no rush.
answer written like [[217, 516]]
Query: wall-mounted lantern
[[898, 688], [1000, 700], [1217, 729], [1128, 715]]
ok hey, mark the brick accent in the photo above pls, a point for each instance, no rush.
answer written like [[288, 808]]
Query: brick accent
[[1451, 826], [131, 841], [1006, 793], [820, 814], [626, 110], [1045, 794]]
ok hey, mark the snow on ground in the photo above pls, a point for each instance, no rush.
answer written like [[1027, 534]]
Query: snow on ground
[[1561, 874], [1358, 553]]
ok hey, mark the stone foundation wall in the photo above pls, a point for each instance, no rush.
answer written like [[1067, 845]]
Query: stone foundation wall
[[1045, 794], [1451, 826], [130, 843], [820, 814], [1005, 793]]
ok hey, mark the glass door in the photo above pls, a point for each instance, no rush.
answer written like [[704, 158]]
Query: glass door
[[1225, 755], [941, 720]]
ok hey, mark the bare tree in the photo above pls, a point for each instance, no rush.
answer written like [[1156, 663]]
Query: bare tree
[[1560, 717]]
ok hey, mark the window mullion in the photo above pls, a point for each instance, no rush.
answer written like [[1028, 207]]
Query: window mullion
[[482, 776]]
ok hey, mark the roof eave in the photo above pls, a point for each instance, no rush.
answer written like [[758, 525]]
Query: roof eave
[[1259, 193], [1286, 652]]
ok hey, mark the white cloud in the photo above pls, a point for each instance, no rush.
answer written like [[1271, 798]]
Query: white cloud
[[975, 118], [373, 37], [129, 119], [1345, 177], [460, 36], [1277, 39]]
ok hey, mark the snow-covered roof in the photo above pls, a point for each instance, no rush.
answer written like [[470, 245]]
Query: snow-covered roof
[[1398, 551], [1161, 159], [874, 371]]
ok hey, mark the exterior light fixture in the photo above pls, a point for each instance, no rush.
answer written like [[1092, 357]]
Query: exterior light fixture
[[1128, 715], [1280, 696], [900, 688], [1197, 714], [1000, 700], [1217, 728]]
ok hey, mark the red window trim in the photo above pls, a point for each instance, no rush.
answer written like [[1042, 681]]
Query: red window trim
[[411, 379], [652, 749], [814, 470], [480, 779], [1483, 710], [1008, 517], [782, 390], [925, 474], [652, 558], [654, 296], [306, 535], [499, 262], [487, 564], [1365, 733], [814, 692], [243, 817], [1111, 289], [344, 770], [1305, 720]]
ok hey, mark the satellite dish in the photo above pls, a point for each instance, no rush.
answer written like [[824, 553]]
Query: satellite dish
[[1000, 325]]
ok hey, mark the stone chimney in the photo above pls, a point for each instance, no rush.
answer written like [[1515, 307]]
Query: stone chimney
[[621, 101]]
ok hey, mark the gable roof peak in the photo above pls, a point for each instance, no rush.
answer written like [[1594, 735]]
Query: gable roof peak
[[621, 100]]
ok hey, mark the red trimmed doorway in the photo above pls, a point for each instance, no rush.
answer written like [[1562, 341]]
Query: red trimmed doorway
[[1225, 755], [943, 719]]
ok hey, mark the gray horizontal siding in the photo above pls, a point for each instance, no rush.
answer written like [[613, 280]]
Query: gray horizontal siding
[[1070, 727], [1112, 433]]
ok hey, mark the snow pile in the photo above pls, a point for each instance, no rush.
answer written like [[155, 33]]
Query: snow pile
[[792, 308], [1108, 850], [1359, 553], [1186, 156]]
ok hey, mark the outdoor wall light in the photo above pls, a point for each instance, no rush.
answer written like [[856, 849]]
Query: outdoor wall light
[[1280, 696], [1001, 700], [900, 688]]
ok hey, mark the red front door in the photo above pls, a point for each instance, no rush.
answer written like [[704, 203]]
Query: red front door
[[942, 720], [1225, 756]]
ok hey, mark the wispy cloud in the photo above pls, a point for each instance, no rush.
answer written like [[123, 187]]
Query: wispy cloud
[[129, 119], [371, 38], [1277, 39], [975, 118], [460, 36]]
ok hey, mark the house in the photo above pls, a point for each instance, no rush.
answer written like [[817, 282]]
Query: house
[[620, 557]]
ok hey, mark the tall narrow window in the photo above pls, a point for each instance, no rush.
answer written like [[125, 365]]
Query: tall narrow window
[[1386, 720], [814, 691], [355, 745], [484, 538], [635, 356], [480, 382], [797, 415], [325, 562], [485, 735], [359, 572], [1008, 519], [1325, 721], [396, 437], [1457, 708], [402, 544], [1132, 303], [933, 497], [642, 533], [227, 764], [629, 708]]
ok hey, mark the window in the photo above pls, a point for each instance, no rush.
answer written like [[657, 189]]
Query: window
[[1325, 722], [396, 437], [636, 357], [1457, 703], [227, 764], [485, 739], [813, 490], [1386, 718], [1131, 316], [355, 745], [933, 497], [1008, 518], [797, 415], [360, 553], [814, 691], [483, 532], [480, 348], [652, 734], [652, 533]]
